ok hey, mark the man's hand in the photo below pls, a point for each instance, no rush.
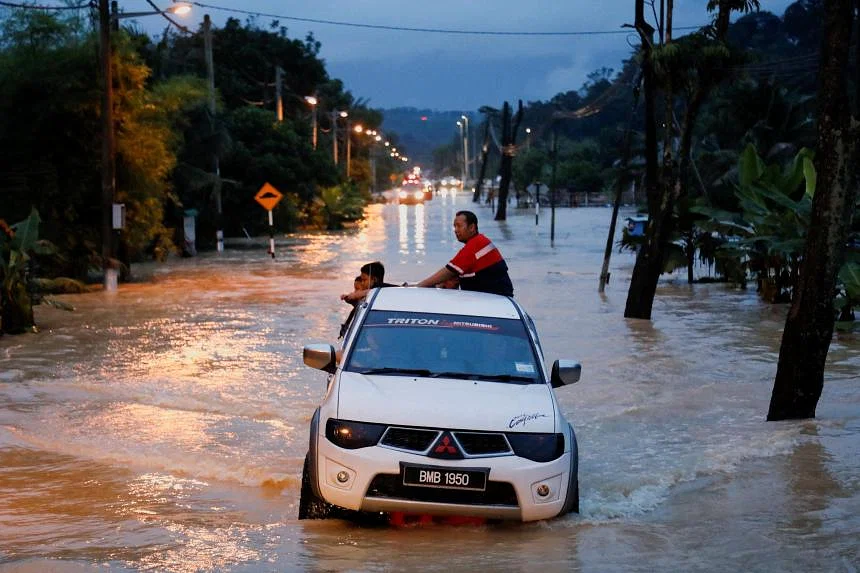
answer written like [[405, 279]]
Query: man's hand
[[439, 276], [354, 296]]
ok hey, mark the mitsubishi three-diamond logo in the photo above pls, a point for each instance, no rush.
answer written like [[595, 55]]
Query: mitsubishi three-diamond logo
[[446, 448]]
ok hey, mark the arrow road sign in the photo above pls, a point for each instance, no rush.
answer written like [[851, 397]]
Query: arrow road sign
[[268, 197]]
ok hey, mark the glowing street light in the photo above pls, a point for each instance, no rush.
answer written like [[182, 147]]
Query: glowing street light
[[466, 145], [312, 101], [334, 115]]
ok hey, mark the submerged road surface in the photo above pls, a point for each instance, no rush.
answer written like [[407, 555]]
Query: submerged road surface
[[163, 428]]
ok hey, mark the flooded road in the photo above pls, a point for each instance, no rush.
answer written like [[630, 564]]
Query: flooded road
[[163, 428]]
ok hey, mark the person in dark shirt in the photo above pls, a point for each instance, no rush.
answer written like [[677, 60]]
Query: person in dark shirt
[[479, 264], [372, 276], [357, 284]]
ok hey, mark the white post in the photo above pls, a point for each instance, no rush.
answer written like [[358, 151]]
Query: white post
[[271, 235]]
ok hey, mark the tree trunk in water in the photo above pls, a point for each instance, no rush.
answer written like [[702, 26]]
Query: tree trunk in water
[[16, 308], [809, 325], [485, 151], [619, 187], [509, 137], [649, 259]]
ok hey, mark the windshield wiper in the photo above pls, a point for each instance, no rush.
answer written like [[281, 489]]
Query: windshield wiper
[[489, 377], [462, 375], [507, 378], [391, 370]]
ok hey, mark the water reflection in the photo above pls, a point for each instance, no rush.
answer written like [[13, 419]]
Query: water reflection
[[419, 229], [403, 227]]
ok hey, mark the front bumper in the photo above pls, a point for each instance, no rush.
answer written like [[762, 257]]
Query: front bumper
[[373, 483]]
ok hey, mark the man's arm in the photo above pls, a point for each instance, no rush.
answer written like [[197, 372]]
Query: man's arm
[[439, 276], [354, 296]]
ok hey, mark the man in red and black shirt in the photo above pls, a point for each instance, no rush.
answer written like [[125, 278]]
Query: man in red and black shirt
[[479, 264]]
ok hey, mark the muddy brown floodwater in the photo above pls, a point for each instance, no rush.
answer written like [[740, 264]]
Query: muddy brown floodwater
[[163, 428]]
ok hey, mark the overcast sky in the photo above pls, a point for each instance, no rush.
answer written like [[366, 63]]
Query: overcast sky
[[454, 71]]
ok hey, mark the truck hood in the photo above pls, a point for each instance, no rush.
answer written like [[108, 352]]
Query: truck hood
[[446, 403]]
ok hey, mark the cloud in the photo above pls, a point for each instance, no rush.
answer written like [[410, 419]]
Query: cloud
[[444, 71]]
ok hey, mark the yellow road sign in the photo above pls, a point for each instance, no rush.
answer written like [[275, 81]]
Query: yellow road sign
[[268, 197]]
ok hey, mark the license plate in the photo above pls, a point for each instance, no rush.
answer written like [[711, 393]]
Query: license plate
[[449, 478]]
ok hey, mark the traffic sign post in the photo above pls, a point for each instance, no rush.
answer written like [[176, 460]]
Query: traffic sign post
[[269, 197]]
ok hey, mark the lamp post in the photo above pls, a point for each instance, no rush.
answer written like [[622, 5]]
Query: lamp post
[[528, 138], [466, 148], [334, 115], [462, 171], [108, 19], [312, 101]]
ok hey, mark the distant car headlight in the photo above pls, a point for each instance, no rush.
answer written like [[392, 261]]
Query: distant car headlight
[[403, 194], [419, 194], [353, 435], [537, 447]]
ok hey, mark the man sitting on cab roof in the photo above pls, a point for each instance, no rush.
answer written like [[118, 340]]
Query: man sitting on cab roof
[[479, 264]]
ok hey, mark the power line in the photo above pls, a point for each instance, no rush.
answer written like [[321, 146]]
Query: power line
[[424, 30], [40, 7]]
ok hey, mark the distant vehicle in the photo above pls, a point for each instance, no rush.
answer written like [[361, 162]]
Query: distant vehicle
[[451, 183], [441, 405], [410, 195], [636, 225], [411, 179]]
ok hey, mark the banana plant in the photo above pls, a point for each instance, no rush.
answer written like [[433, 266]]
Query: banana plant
[[18, 290], [767, 234]]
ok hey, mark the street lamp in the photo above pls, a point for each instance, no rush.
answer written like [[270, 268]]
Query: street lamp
[[312, 101], [463, 171], [466, 147], [358, 129], [178, 9], [334, 115], [108, 19], [528, 138]]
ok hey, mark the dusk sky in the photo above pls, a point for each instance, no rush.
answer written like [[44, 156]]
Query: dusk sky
[[446, 71]]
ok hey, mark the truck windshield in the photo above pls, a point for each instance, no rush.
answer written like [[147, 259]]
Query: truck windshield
[[444, 345]]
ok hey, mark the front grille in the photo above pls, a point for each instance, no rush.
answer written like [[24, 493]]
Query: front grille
[[409, 439], [391, 487], [481, 444]]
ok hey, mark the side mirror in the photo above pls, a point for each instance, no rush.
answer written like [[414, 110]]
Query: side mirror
[[565, 372], [320, 356]]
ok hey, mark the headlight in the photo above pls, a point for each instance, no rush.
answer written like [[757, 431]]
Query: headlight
[[537, 447], [419, 194], [403, 194], [353, 435]]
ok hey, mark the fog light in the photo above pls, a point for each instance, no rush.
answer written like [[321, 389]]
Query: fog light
[[342, 477], [542, 490]]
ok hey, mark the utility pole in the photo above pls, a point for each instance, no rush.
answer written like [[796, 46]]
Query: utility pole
[[552, 184], [334, 134], [210, 77], [108, 148], [348, 148], [373, 170], [279, 101]]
